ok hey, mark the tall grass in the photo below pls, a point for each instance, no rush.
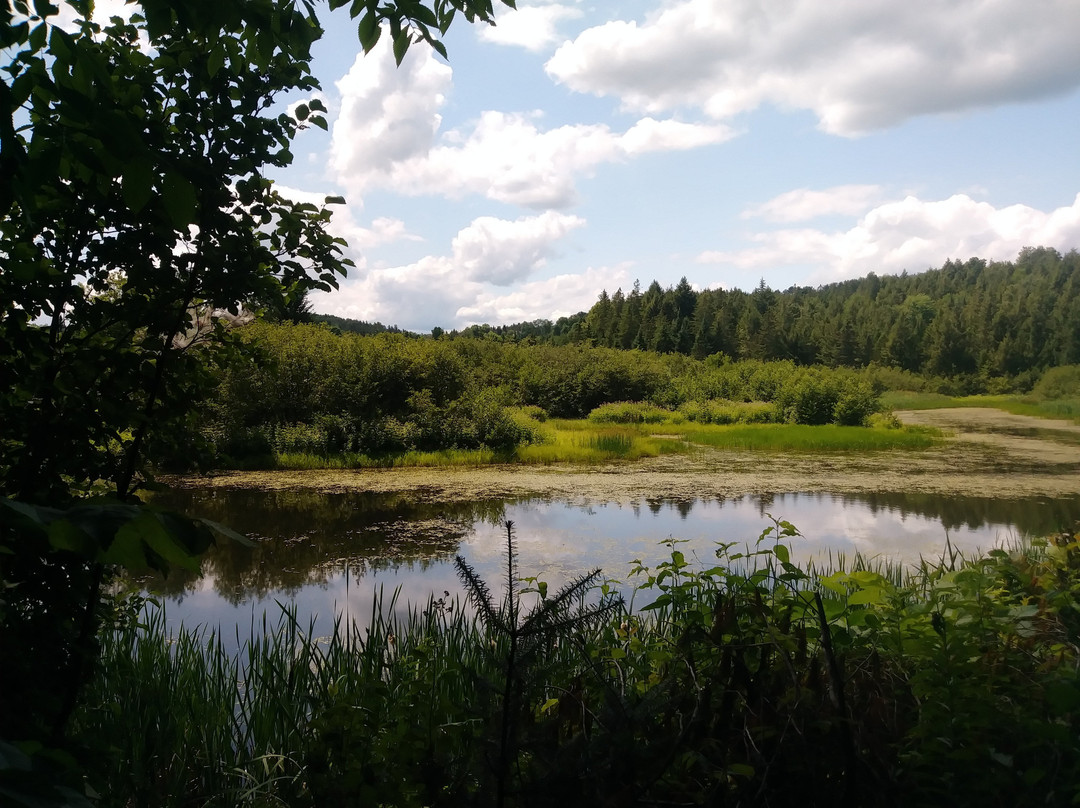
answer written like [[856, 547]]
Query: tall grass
[[753, 681]]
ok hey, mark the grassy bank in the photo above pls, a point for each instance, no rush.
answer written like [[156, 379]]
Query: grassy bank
[[587, 442], [1065, 409], [750, 681]]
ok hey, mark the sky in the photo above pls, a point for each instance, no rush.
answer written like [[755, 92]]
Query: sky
[[577, 146]]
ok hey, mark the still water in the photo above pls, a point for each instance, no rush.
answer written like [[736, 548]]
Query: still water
[[329, 553]]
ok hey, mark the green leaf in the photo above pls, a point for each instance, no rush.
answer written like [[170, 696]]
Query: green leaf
[[215, 61], [65, 536], [164, 542], [334, 200], [401, 45], [126, 550], [781, 552], [38, 36], [227, 532], [137, 183], [178, 196], [301, 112], [368, 31], [871, 594]]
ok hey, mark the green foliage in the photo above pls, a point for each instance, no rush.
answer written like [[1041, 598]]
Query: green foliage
[[968, 327], [320, 392], [629, 412], [1059, 383], [138, 228], [722, 411], [748, 680]]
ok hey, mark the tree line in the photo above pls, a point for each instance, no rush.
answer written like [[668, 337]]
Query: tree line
[[974, 321]]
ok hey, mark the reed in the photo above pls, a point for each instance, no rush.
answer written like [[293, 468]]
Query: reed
[[753, 679]]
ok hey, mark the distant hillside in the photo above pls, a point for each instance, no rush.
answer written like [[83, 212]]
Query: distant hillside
[[966, 319], [345, 324]]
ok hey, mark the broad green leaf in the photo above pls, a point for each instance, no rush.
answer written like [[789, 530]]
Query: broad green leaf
[[401, 45], [126, 550], [215, 60], [368, 31], [227, 532], [65, 536], [781, 552], [301, 112], [334, 200], [178, 196], [871, 594], [137, 183], [166, 543]]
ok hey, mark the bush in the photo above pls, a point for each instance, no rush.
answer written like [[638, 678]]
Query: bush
[[720, 411], [628, 412], [855, 404], [1058, 383]]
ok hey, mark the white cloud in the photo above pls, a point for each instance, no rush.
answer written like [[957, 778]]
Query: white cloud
[[502, 252], [859, 65], [803, 204], [531, 27], [456, 290], [548, 299], [387, 113], [385, 137], [910, 234]]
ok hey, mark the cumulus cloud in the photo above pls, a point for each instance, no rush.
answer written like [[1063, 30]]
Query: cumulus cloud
[[910, 234], [859, 65], [469, 285], [433, 292], [547, 299], [803, 204], [502, 252], [386, 137], [534, 28], [387, 114]]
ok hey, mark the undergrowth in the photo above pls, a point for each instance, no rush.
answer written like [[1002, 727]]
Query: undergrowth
[[747, 681]]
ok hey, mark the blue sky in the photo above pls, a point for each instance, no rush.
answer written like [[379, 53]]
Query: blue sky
[[576, 147]]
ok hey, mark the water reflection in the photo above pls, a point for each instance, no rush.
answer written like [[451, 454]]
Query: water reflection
[[307, 540], [329, 555]]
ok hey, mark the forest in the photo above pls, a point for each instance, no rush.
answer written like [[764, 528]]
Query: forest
[[981, 324], [801, 357]]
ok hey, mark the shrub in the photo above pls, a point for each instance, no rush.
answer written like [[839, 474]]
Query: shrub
[[720, 411], [1058, 383], [855, 404], [628, 412]]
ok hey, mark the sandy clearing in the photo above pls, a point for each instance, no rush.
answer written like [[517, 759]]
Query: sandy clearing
[[976, 461]]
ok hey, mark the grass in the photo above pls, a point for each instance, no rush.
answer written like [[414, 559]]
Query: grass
[[752, 682], [584, 442], [1066, 409]]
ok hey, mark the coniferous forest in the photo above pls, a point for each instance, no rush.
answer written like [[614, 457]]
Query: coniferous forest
[[971, 320]]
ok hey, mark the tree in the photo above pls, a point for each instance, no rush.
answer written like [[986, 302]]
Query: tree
[[136, 223]]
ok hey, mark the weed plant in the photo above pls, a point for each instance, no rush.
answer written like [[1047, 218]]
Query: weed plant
[[750, 681]]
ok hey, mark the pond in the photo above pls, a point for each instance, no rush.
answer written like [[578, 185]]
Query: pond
[[330, 552]]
